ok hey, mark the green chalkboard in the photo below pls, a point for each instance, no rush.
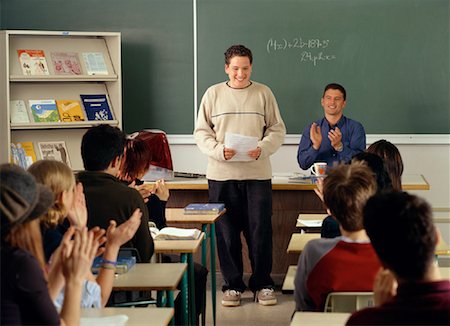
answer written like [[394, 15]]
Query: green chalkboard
[[157, 48], [391, 55]]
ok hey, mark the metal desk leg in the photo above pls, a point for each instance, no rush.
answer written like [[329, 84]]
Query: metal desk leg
[[184, 291], [171, 303], [192, 289], [212, 243], [204, 254]]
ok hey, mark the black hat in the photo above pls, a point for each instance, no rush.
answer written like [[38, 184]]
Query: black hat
[[21, 198]]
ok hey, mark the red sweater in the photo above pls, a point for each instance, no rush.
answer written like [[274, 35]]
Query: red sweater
[[333, 265]]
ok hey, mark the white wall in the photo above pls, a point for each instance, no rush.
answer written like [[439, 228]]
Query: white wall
[[432, 161]]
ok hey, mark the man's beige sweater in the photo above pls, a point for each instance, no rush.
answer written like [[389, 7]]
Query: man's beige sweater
[[251, 111]]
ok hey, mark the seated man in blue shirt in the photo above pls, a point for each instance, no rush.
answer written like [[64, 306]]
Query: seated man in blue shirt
[[334, 138]]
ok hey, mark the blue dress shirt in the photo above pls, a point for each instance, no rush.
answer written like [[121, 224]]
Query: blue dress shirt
[[353, 141]]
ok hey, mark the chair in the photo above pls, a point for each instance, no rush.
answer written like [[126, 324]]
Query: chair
[[348, 301]]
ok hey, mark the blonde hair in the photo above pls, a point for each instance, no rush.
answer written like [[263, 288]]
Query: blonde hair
[[59, 178]]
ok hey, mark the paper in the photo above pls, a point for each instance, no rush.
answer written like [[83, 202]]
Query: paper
[[311, 223], [242, 145]]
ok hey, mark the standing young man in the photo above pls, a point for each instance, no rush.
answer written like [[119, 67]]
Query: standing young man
[[241, 106], [334, 138]]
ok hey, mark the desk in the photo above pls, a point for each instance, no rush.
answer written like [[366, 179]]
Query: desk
[[186, 249], [288, 200], [299, 241], [320, 318], [136, 316], [310, 217], [148, 277], [176, 216]]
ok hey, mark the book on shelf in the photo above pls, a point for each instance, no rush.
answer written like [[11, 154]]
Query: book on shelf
[[33, 62], [18, 111], [23, 154], [66, 63], [204, 208], [94, 63], [54, 150], [44, 110], [124, 264], [172, 233], [96, 107], [70, 110]]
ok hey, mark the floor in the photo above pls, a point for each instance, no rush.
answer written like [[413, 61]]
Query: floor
[[250, 313]]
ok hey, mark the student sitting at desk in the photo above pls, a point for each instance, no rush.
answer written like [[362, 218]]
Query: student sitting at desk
[[69, 209], [408, 289], [134, 165], [330, 226], [346, 263], [392, 161], [25, 299]]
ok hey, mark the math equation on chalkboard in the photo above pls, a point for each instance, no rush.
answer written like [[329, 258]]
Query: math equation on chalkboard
[[311, 51]]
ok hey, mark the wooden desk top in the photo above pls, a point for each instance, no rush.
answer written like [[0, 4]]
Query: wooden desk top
[[178, 246], [320, 318], [409, 182], [136, 316], [299, 240], [148, 276], [176, 215]]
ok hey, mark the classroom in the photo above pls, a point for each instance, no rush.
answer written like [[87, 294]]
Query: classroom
[[396, 73]]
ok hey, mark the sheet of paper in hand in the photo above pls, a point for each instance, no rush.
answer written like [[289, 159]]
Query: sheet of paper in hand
[[242, 145]]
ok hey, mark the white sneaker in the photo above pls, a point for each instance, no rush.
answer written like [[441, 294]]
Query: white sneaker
[[231, 298], [266, 297]]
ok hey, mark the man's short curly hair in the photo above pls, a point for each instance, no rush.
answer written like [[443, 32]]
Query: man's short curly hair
[[238, 51]]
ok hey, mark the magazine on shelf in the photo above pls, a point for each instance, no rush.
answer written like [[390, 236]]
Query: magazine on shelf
[[172, 233], [23, 154], [33, 62], [66, 63], [94, 63], [96, 107], [19, 112], [204, 208], [44, 110], [54, 150], [70, 110]]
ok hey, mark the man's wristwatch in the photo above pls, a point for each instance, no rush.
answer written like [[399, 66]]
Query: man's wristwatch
[[340, 148]]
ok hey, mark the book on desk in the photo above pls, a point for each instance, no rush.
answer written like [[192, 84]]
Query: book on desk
[[204, 208], [124, 264]]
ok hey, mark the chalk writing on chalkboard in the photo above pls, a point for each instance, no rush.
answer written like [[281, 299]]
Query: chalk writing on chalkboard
[[311, 48]]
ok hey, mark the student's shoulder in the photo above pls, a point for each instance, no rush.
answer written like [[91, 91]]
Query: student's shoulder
[[321, 245]]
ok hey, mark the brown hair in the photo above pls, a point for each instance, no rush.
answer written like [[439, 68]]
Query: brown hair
[[136, 159], [345, 192], [402, 232], [59, 178], [27, 236], [237, 51], [392, 160]]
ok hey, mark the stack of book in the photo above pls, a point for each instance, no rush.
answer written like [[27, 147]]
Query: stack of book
[[208, 208]]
